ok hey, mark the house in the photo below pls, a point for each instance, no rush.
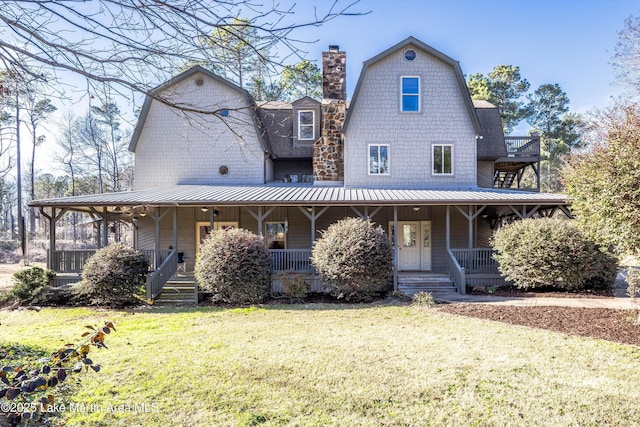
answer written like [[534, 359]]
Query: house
[[411, 151]]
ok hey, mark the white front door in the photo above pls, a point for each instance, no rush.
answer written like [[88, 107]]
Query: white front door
[[414, 245], [204, 228], [408, 245]]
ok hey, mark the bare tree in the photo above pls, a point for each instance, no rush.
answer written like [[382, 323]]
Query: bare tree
[[626, 60], [37, 111], [134, 44]]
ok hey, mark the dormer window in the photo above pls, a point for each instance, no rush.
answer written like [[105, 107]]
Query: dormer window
[[410, 94], [306, 124]]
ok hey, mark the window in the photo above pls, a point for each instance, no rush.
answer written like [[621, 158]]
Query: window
[[443, 159], [378, 159], [409, 54], [276, 235], [305, 124], [411, 94]]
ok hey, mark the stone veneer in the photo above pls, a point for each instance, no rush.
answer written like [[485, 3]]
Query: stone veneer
[[328, 152]]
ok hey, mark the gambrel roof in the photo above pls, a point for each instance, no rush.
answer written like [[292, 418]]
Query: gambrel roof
[[412, 41], [262, 135]]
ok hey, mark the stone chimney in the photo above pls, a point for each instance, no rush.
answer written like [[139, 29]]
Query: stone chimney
[[334, 74], [328, 153]]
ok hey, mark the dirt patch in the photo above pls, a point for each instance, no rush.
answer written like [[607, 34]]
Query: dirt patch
[[601, 323]]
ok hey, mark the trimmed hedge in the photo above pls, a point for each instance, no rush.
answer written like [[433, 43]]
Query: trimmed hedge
[[354, 257], [535, 253], [115, 276], [235, 266]]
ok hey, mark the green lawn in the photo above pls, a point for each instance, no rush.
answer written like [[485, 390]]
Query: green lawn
[[336, 365]]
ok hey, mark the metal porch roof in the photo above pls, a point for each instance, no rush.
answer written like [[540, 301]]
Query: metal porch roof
[[303, 194]]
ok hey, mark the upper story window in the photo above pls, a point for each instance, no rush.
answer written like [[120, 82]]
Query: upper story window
[[442, 159], [410, 94], [306, 124], [378, 159]]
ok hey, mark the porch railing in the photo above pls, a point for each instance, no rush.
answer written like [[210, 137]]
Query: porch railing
[[479, 267], [456, 272], [74, 260], [477, 260], [291, 259], [157, 279], [70, 261]]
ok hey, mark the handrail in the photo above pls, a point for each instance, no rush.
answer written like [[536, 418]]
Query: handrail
[[157, 279], [456, 272]]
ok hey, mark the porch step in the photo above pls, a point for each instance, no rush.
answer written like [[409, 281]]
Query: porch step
[[434, 283], [178, 291]]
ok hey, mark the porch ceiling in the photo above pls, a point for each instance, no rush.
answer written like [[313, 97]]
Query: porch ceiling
[[301, 195]]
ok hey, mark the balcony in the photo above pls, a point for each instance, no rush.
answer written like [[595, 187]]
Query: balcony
[[522, 152]]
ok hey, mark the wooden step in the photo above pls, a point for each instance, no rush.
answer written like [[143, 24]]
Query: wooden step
[[178, 292], [413, 283]]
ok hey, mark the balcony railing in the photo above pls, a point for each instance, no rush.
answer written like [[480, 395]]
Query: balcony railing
[[522, 146]]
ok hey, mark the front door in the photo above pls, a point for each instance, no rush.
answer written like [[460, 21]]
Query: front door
[[414, 245], [408, 247], [204, 228]]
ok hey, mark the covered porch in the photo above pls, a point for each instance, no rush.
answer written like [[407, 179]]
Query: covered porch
[[440, 231]]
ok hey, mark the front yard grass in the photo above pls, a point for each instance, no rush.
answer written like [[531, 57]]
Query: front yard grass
[[335, 365]]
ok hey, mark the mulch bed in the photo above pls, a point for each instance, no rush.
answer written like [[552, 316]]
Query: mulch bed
[[600, 323]]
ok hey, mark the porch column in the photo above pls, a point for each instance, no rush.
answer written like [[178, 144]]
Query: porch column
[[470, 216], [448, 228], [175, 228], [105, 227], [312, 217], [259, 217], [313, 226], [395, 248]]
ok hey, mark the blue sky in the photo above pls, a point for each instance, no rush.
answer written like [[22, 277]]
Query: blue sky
[[569, 42]]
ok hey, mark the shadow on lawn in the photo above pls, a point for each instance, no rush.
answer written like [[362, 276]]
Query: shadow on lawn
[[275, 304]]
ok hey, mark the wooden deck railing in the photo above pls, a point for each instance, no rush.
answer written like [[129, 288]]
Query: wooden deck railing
[[522, 146], [480, 269], [157, 279], [70, 261], [291, 259], [476, 260]]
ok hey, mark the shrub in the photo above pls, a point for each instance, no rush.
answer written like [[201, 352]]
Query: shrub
[[355, 259], [115, 276], [535, 253], [235, 266], [423, 299], [31, 380], [296, 285], [28, 281]]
